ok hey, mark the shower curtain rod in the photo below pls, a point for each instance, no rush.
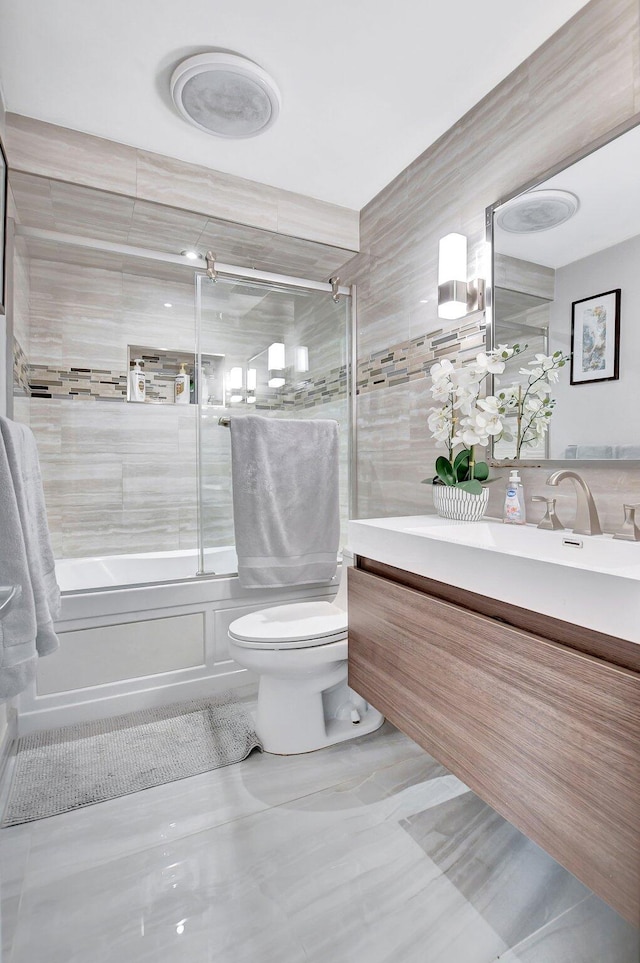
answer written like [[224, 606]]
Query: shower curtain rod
[[228, 270]]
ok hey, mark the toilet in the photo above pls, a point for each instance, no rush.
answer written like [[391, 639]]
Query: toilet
[[299, 652]]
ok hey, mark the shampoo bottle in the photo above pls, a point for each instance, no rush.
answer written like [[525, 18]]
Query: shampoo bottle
[[182, 387], [137, 382], [514, 508]]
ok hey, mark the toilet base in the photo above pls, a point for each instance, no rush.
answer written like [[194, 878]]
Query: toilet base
[[289, 723]]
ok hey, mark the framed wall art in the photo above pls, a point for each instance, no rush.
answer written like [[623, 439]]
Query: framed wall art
[[595, 338]]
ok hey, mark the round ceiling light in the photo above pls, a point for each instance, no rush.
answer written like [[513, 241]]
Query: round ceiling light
[[537, 211], [225, 95]]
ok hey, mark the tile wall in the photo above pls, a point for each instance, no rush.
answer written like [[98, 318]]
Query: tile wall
[[582, 83], [120, 477], [68, 155]]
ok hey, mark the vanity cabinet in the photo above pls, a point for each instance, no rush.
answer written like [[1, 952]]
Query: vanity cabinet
[[539, 717]]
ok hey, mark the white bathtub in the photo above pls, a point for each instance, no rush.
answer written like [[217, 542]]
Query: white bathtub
[[144, 630], [81, 574]]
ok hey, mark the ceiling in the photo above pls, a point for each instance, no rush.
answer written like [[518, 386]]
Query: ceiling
[[366, 85]]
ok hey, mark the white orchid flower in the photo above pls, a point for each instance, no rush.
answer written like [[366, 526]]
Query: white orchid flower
[[489, 364], [490, 404], [441, 369]]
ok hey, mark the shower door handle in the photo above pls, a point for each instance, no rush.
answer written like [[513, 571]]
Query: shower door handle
[[8, 595]]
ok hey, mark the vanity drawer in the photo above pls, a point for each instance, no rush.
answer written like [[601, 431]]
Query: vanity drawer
[[546, 735]]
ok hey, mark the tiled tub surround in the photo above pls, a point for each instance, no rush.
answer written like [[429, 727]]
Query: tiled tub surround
[[368, 851], [121, 477], [579, 85]]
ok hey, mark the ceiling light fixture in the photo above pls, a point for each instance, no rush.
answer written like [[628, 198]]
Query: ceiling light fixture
[[225, 95], [193, 255], [537, 211]]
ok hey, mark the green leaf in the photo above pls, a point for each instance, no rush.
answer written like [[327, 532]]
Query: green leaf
[[445, 471], [473, 486], [461, 465], [481, 471]]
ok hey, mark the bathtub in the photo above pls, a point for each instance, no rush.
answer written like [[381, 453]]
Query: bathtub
[[144, 630], [82, 574]]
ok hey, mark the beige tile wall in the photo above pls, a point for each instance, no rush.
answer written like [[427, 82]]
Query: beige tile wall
[[67, 155], [121, 478], [580, 84]]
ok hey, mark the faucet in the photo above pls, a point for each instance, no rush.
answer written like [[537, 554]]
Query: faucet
[[587, 521]]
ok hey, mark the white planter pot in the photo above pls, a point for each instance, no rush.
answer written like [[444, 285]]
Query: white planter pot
[[456, 503]]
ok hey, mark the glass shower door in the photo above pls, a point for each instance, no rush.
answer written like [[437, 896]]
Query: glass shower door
[[273, 350]]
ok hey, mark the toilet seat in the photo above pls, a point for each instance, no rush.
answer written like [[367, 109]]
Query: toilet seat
[[297, 626]]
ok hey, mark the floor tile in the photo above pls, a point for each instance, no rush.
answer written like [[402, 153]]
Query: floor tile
[[367, 852], [589, 933], [515, 886]]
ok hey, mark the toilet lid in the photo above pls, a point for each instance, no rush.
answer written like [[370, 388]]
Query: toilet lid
[[313, 623]]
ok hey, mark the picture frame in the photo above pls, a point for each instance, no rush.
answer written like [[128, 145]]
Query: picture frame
[[595, 338], [3, 226]]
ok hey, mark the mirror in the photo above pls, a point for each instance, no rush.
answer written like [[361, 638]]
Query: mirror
[[566, 278]]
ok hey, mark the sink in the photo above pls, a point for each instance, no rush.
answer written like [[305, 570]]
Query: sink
[[594, 583]]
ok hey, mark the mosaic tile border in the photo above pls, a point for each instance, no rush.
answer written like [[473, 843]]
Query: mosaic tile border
[[398, 364], [103, 384], [413, 359], [20, 370]]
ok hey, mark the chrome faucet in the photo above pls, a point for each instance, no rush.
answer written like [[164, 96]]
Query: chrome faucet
[[587, 521]]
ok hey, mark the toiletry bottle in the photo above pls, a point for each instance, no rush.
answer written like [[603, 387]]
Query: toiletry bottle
[[514, 508], [182, 387], [137, 382]]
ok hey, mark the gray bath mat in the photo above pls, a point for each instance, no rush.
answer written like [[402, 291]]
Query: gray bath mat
[[75, 766]]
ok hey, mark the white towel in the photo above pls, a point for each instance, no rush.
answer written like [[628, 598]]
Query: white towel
[[285, 500], [26, 559]]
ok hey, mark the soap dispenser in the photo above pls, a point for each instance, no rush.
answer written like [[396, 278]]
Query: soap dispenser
[[137, 382], [182, 387], [514, 507]]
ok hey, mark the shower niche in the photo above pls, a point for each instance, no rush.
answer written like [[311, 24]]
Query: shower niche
[[162, 366]]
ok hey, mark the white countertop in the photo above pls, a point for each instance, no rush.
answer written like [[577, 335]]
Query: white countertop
[[596, 585]]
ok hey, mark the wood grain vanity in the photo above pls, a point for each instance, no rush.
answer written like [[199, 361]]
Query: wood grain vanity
[[538, 716]]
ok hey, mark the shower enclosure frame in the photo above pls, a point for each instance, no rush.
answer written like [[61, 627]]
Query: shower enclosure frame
[[231, 271]]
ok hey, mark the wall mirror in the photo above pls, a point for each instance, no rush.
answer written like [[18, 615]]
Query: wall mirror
[[566, 277]]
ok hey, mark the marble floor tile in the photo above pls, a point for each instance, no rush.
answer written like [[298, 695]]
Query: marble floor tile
[[94, 835], [366, 852], [589, 933], [514, 885]]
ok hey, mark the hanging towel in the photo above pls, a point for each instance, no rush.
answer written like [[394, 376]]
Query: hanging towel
[[26, 559], [285, 500]]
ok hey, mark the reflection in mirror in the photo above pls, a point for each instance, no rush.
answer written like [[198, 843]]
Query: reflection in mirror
[[561, 252]]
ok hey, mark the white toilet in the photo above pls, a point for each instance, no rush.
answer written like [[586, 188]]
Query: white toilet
[[300, 653]]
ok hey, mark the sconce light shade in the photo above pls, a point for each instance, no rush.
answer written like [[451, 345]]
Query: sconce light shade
[[301, 358], [275, 356], [235, 378], [252, 379], [452, 277]]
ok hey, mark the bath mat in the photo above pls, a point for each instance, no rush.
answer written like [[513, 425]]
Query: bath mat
[[75, 766]]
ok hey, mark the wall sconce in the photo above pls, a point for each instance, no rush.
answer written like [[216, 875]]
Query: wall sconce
[[252, 384], [276, 363], [456, 296]]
